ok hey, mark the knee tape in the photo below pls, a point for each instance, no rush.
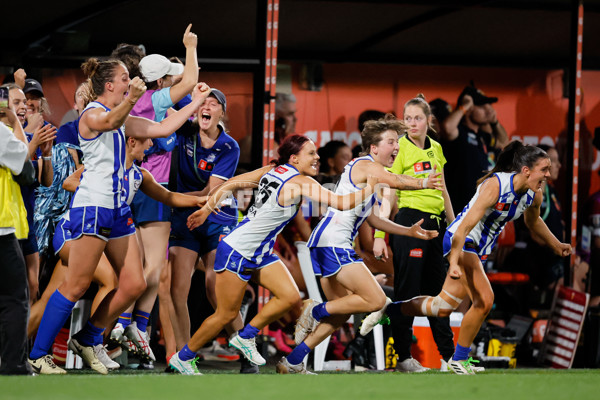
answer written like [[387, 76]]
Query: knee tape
[[435, 304]]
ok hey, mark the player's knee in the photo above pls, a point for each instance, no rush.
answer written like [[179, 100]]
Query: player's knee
[[484, 303], [439, 307], [377, 303], [290, 299], [227, 316]]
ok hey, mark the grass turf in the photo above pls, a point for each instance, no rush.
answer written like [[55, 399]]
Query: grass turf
[[218, 384]]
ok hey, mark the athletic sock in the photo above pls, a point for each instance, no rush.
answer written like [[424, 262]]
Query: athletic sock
[[186, 354], [320, 311], [141, 319], [461, 353], [124, 319], [55, 315], [248, 332], [394, 310], [297, 355], [90, 335]]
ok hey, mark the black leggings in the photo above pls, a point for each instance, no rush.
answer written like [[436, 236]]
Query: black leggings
[[419, 269]]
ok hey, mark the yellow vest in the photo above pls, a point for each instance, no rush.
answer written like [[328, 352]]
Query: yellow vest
[[12, 209], [419, 163]]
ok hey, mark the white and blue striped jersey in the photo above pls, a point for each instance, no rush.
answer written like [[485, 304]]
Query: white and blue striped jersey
[[132, 180], [101, 183], [255, 236], [509, 206], [339, 228]]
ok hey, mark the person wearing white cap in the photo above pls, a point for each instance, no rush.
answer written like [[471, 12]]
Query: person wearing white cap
[[151, 217]]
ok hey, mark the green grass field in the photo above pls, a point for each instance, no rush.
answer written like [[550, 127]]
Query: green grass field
[[218, 384]]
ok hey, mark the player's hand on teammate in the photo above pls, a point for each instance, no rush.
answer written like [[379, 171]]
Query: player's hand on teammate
[[197, 218]]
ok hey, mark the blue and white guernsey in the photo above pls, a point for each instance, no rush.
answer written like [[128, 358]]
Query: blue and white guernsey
[[132, 180], [339, 228], [104, 156], [255, 236], [483, 236]]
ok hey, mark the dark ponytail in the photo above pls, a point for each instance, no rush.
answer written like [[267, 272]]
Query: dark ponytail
[[291, 145], [514, 157]]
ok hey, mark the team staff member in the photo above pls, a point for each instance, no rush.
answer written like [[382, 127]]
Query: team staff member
[[14, 297], [419, 265]]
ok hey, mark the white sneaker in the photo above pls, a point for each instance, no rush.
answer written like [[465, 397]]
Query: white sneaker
[[140, 339], [102, 355], [88, 355], [374, 318], [445, 368], [306, 323], [45, 366], [248, 348], [116, 335], [410, 365], [461, 367], [184, 367], [284, 367], [217, 353]]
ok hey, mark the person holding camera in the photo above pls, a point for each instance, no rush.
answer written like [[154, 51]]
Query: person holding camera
[[472, 137]]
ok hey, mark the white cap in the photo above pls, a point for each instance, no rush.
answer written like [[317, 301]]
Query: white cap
[[155, 66]]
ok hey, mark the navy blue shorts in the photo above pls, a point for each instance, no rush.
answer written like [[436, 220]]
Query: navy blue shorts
[[228, 258], [202, 239], [62, 233], [328, 261], [105, 223], [29, 245], [469, 246], [146, 209]]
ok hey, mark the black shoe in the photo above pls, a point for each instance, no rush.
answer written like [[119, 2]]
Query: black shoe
[[248, 367]]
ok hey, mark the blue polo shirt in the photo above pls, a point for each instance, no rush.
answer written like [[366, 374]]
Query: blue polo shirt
[[197, 164]]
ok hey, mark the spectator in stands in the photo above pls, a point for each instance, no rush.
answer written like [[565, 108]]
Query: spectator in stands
[[471, 135], [14, 299], [333, 158], [69, 133]]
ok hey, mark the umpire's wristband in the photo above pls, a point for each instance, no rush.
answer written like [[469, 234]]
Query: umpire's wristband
[[379, 234]]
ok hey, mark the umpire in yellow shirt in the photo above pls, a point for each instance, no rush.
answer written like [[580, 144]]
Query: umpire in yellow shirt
[[419, 265]]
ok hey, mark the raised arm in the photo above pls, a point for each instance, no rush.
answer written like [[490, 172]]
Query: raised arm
[[139, 127], [189, 78], [537, 225], [95, 121], [173, 199], [488, 197], [244, 181]]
